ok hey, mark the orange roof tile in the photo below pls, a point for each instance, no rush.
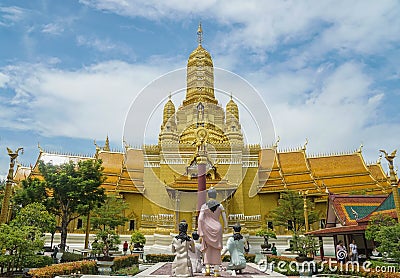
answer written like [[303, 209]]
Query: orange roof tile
[[337, 165]]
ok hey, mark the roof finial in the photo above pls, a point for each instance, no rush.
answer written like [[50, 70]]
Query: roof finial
[[107, 145], [200, 34]]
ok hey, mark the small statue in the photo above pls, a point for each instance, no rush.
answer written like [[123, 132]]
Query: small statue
[[196, 257], [210, 229], [237, 246], [182, 244]]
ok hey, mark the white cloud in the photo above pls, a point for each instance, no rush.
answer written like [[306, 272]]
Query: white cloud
[[53, 28], [341, 25], [105, 45], [3, 79], [10, 15], [336, 111], [87, 103]]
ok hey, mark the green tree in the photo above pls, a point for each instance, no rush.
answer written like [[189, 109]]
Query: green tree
[[376, 223], [110, 214], [35, 215], [24, 237], [31, 190], [388, 238], [105, 219], [74, 189], [291, 209], [385, 231]]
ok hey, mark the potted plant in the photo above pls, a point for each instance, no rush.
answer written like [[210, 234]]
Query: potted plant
[[138, 240], [306, 246], [266, 234]]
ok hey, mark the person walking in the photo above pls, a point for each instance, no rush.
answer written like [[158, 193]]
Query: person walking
[[125, 247]]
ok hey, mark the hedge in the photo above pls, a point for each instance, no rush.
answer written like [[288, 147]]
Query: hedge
[[156, 258], [71, 257], [83, 267], [125, 261]]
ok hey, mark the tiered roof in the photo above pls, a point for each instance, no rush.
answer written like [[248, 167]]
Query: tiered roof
[[116, 167], [349, 214], [291, 170], [339, 173]]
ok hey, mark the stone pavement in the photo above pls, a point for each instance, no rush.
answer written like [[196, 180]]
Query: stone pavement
[[163, 270]]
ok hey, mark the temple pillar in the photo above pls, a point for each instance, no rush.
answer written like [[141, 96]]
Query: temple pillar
[[201, 180], [4, 216], [393, 181]]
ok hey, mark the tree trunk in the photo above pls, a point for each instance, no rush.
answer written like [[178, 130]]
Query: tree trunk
[[64, 231], [52, 239]]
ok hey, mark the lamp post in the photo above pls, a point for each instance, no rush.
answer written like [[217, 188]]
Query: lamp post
[[7, 192], [393, 181]]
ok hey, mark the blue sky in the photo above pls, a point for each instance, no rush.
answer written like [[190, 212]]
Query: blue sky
[[328, 70]]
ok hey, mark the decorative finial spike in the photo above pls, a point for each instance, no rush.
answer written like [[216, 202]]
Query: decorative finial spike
[[107, 145], [200, 34], [305, 144], [39, 147]]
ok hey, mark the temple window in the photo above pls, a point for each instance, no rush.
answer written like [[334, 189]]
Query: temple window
[[270, 225]]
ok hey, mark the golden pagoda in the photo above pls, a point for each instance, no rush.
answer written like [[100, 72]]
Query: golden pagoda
[[159, 182]]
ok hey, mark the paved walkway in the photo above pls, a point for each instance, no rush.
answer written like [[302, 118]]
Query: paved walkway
[[163, 270]]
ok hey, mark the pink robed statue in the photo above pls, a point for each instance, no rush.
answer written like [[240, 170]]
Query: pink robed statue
[[211, 230]]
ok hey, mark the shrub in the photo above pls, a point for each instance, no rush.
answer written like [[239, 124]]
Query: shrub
[[250, 258], [156, 258], [138, 239], [36, 261], [71, 257], [131, 271], [125, 261], [84, 267]]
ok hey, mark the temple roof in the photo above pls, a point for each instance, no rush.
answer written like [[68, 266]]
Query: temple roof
[[290, 170], [347, 209], [339, 173], [354, 212], [387, 207], [22, 172]]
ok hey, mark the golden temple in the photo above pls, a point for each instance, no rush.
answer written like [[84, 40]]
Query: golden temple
[[167, 169]]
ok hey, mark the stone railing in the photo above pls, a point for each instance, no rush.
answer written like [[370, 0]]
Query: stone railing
[[161, 220], [248, 221]]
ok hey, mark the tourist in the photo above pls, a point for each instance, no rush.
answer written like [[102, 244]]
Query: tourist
[[341, 253], [236, 245], [210, 229], [182, 244], [131, 247], [353, 251], [125, 247]]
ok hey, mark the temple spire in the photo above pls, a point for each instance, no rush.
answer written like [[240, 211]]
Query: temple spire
[[200, 34], [107, 145]]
